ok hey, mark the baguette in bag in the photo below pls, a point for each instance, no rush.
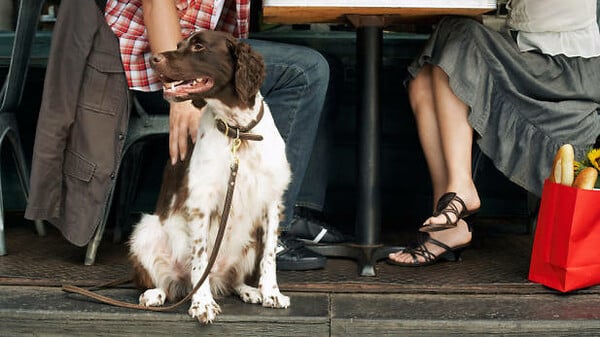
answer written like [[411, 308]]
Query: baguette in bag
[[562, 169], [586, 179]]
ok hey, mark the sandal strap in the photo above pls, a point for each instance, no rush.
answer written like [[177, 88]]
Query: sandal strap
[[439, 244], [447, 205], [422, 251]]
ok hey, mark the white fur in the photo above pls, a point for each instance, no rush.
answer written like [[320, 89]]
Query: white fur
[[169, 250]]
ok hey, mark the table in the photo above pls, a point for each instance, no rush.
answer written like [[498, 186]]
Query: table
[[369, 17]]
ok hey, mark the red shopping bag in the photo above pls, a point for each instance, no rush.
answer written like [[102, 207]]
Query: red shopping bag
[[566, 246]]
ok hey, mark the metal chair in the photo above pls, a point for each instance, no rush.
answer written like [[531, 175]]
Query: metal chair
[[142, 127], [12, 90]]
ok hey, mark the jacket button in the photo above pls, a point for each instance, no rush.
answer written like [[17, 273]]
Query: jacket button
[[112, 175], [121, 136]]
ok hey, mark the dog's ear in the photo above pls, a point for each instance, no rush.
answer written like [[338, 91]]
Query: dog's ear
[[249, 71]]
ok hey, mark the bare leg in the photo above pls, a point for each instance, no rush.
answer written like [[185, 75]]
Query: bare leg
[[457, 140], [422, 103], [446, 138]]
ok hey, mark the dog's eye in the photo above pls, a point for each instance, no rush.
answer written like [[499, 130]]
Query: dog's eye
[[197, 46]]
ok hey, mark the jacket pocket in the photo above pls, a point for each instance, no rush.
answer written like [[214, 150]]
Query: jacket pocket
[[78, 167], [103, 78]]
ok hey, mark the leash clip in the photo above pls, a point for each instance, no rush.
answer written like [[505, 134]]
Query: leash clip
[[235, 145]]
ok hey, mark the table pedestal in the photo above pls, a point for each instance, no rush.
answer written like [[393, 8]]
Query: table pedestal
[[367, 250]]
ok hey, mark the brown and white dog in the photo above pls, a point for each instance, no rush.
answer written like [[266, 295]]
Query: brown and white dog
[[170, 248]]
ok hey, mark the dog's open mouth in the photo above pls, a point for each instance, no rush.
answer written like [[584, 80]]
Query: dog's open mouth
[[173, 88]]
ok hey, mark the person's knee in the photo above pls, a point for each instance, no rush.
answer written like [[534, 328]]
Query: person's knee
[[317, 68], [438, 74], [419, 88]]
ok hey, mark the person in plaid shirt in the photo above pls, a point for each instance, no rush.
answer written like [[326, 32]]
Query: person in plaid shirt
[[295, 89]]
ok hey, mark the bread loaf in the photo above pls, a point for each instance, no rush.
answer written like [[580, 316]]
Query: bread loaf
[[586, 179], [562, 169]]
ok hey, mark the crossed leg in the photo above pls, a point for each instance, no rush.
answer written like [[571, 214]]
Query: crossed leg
[[443, 129]]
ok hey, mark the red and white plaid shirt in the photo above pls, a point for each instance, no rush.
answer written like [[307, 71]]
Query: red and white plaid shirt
[[126, 20]]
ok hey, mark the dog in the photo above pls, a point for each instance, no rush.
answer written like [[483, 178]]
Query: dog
[[170, 248]]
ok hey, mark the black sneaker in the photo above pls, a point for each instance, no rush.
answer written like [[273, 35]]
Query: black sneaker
[[293, 255], [313, 231]]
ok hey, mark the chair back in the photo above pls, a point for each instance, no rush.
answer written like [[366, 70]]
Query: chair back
[[12, 89]]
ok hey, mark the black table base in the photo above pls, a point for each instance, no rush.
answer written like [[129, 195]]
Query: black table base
[[367, 250], [366, 256]]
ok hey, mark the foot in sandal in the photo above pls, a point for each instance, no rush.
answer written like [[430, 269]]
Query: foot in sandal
[[449, 209], [440, 245]]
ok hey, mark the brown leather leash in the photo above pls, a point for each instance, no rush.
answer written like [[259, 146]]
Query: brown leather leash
[[211, 261], [213, 256]]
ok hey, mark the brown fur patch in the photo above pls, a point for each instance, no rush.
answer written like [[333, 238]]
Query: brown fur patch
[[178, 289], [141, 278], [215, 218], [201, 251], [257, 234], [174, 185]]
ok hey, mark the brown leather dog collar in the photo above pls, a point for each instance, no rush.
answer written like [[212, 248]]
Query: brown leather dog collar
[[242, 132]]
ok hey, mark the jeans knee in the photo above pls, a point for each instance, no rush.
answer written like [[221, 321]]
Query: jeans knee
[[317, 68]]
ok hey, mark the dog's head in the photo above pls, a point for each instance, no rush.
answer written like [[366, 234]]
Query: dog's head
[[210, 64]]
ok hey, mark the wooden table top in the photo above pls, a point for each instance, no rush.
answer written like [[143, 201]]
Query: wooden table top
[[392, 15]]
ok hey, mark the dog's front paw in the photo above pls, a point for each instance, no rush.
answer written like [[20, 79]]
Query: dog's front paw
[[275, 300], [204, 310], [153, 298], [249, 294]]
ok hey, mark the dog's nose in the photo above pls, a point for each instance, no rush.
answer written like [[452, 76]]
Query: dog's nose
[[157, 58]]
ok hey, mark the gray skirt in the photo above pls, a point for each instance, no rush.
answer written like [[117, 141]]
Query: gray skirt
[[523, 105]]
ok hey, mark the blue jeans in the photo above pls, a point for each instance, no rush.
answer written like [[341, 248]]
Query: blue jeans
[[295, 89]]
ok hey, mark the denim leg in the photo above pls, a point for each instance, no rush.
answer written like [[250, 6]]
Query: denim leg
[[314, 185], [295, 89], [313, 190]]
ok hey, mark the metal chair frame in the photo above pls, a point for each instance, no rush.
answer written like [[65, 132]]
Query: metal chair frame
[[142, 126], [12, 91]]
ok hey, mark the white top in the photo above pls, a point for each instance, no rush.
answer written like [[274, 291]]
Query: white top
[[556, 26], [216, 14]]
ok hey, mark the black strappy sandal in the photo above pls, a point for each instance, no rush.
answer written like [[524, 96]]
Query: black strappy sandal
[[451, 254], [445, 206]]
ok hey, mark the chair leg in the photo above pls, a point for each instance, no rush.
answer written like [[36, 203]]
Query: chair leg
[[39, 227], [23, 173], [2, 240], [92, 248], [12, 135]]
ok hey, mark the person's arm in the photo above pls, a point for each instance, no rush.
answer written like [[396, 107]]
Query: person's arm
[[164, 32]]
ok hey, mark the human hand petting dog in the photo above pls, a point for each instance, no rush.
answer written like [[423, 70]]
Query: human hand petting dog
[[184, 119]]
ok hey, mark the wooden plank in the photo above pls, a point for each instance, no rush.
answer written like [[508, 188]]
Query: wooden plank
[[37, 311], [300, 15], [463, 315]]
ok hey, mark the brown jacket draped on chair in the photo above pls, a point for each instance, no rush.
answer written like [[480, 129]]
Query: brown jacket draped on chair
[[82, 124]]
